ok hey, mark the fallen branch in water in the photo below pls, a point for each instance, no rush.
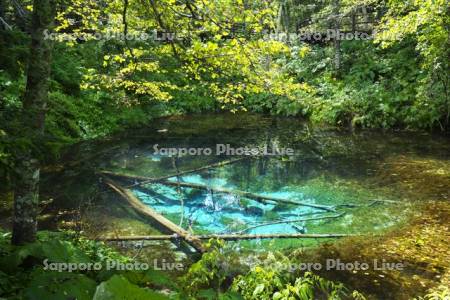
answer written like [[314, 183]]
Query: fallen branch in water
[[281, 220], [226, 237], [372, 203], [162, 199], [163, 180], [291, 221], [127, 177], [138, 180], [259, 198]]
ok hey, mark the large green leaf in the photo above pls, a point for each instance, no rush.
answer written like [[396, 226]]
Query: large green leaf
[[11, 262], [159, 279], [63, 251], [53, 250], [117, 287], [55, 285]]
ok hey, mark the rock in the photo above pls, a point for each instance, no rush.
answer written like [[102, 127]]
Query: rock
[[253, 210], [300, 229]]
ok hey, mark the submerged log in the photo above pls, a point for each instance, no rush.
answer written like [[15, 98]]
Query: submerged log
[[127, 177], [144, 179], [292, 221], [226, 237], [372, 203], [164, 224], [259, 198], [160, 198]]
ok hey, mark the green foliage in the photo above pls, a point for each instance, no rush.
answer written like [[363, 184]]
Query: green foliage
[[378, 87], [207, 279], [96, 251], [67, 68], [59, 286], [10, 90], [13, 52], [89, 115], [4, 282], [262, 283], [258, 283], [118, 287], [208, 271], [439, 293], [50, 245], [22, 274], [310, 286], [224, 62], [427, 24]]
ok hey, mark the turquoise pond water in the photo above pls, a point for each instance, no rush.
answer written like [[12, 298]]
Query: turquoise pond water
[[205, 211], [374, 180], [220, 213]]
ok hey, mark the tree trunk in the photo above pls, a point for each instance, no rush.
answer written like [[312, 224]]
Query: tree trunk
[[354, 21], [283, 19], [34, 108], [26, 201], [366, 18]]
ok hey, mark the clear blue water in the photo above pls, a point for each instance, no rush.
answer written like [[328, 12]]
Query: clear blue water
[[330, 167], [219, 213], [209, 212]]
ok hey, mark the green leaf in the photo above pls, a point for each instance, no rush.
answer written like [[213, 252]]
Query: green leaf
[[54, 251], [159, 279], [230, 296], [55, 286], [117, 287], [11, 262], [63, 251], [259, 288]]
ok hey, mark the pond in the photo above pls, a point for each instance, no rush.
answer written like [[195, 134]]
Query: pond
[[368, 181]]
